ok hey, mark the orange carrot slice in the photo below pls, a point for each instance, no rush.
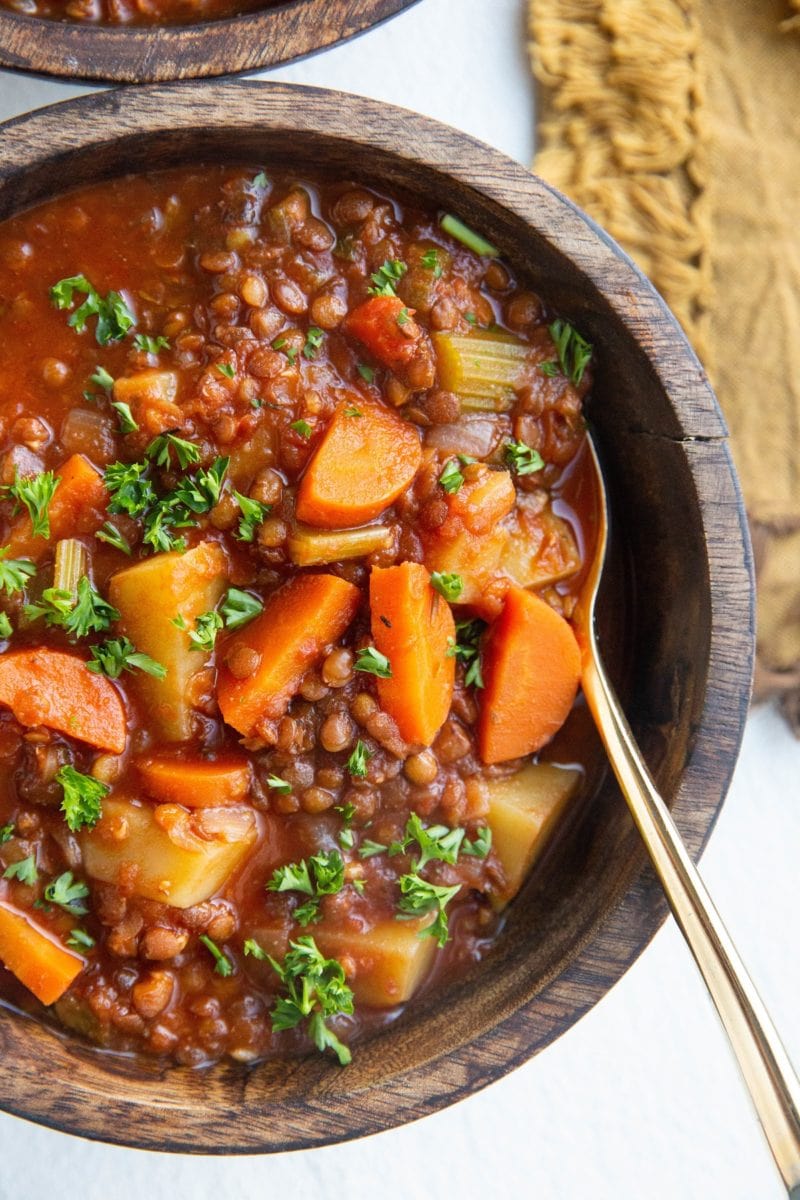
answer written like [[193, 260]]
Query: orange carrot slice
[[40, 962], [367, 457], [299, 624], [414, 627], [383, 324], [196, 783], [48, 687], [78, 506], [531, 671]]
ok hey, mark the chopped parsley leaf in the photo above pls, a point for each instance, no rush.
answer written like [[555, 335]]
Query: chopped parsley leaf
[[126, 421], [281, 786], [24, 870], [102, 379], [466, 649], [6, 833], [549, 368], [315, 990], [403, 317], [385, 278], [150, 345], [368, 848], [447, 584], [430, 261], [302, 428], [67, 893], [116, 655], [35, 492], [253, 513], [437, 843], [522, 459], [451, 479], [314, 339], [6, 628], [206, 627], [574, 352], [358, 760], [79, 939], [419, 897], [83, 795], [226, 369], [14, 572], [88, 613], [366, 373], [159, 450], [352, 411], [114, 318], [239, 607], [372, 662], [112, 537], [222, 964]]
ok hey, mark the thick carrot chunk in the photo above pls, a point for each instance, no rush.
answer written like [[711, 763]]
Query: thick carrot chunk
[[78, 506], [531, 669], [366, 459], [196, 783], [48, 687], [383, 324], [40, 962], [413, 626], [299, 624]]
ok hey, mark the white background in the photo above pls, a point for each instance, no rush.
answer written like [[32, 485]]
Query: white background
[[641, 1100]]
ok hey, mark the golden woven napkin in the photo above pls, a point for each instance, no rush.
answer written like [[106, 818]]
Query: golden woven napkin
[[676, 124]]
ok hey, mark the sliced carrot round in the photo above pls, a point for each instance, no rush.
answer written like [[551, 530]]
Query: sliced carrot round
[[413, 626], [50, 688], [196, 783], [531, 670], [366, 459]]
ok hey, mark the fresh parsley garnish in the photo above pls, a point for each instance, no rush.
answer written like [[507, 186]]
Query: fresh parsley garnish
[[131, 493], [366, 373], [24, 870], [466, 649], [403, 317], [281, 786], [549, 368], [522, 459], [430, 261], [238, 608], [369, 848], [314, 339], [302, 428], [447, 584], [67, 893], [315, 990], [358, 761], [6, 833], [222, 964], [114, 318], [253, 513], [418, 897], [14, 572], [150, 345], [77, 616], [102, 379], [385, 278], [253, 950], [320, 875], [206, 627], [352, 411], [35, 492], [6, 628], [226, 369], [113, 657], [437, 843], [79, 939], [159, 450], [372, 662], [574, 352], [126, 421], [83, 796], [451, 478], [112, 537], [482, 844], [260, 181]]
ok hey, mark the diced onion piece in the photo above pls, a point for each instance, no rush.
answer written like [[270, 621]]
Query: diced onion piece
[[87, 431]]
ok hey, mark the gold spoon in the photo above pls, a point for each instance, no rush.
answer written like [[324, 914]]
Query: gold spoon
[[764, 1063]]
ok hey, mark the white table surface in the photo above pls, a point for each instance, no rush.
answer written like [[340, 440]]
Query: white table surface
[[641, 1099]]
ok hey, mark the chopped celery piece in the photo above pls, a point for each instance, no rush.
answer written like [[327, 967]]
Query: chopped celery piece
[[70, 565], [468, 237], [483, 370], [310, 547]]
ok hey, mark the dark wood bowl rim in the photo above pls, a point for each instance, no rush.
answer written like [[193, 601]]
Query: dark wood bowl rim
[[331, 1114], [142, 54]]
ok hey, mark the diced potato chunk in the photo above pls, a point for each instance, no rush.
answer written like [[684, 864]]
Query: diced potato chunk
[[312, 547], [523, 811], [391, 960], [167, 853], [149, 595], [472, 540], [151, 396], [541, 551]]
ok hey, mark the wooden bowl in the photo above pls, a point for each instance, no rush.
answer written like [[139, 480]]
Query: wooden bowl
[[152, 54], [679, 638]]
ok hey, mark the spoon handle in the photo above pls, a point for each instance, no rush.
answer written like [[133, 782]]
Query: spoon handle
[[764, 1063]]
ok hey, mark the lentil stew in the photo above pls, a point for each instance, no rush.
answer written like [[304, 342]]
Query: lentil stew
[[292, 480]]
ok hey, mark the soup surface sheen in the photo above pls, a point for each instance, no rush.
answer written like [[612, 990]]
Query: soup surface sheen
[[292, 529]]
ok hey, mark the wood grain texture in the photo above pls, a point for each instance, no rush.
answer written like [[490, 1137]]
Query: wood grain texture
[[677, 619], [141, 54]]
